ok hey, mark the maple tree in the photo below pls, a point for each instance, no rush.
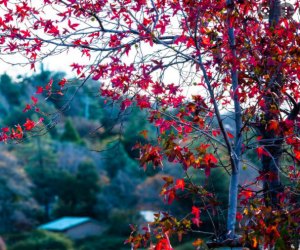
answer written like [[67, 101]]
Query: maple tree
[[190, 64]]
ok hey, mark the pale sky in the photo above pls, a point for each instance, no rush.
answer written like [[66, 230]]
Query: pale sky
[[63, 61], [54, 63]]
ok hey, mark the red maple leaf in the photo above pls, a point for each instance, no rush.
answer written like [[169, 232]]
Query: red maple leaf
[[125, 104], [273, 125], [27, 107], [261, 151], [205, 41], [62, 82], [53, 31], [297, 154], [196, 212], [163, 244], [171, 196], [162, 26], [49, 85], [72, 26], [5, 130], [246, 193], [196, 221], [210, 162], [231, 136], [18, 133], [143, 101], [239, 216], [210, 159], [180, 184], [4, 2], [29, 125], [39, 90], [34, 100], [157, 89], [216, 132]]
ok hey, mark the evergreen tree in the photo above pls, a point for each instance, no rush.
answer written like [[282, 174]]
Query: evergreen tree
[[77, 194], [10, 90], [116, 159], [70, 133]]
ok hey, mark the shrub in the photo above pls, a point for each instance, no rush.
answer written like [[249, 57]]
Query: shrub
[[71, 134], [41, 240], [107, 242]]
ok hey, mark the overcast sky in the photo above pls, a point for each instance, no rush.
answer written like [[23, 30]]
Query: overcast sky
[[61, 62]]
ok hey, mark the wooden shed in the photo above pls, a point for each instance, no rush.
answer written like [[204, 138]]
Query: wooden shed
[[74, 227]]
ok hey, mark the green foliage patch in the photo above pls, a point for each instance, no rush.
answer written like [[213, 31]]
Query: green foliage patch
[[41, 240]]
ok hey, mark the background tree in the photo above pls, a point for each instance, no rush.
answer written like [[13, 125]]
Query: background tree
[[17, 207], [76, 193], [70, 133]]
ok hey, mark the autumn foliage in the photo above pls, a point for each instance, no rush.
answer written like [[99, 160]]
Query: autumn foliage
[[219, 81]]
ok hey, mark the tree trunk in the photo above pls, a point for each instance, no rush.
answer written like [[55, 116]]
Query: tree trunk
[[272, 142], [232, 204], [237, 150], [270, 167]]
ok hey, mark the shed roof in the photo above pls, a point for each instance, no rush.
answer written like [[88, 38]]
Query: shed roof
[[64, 223]]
